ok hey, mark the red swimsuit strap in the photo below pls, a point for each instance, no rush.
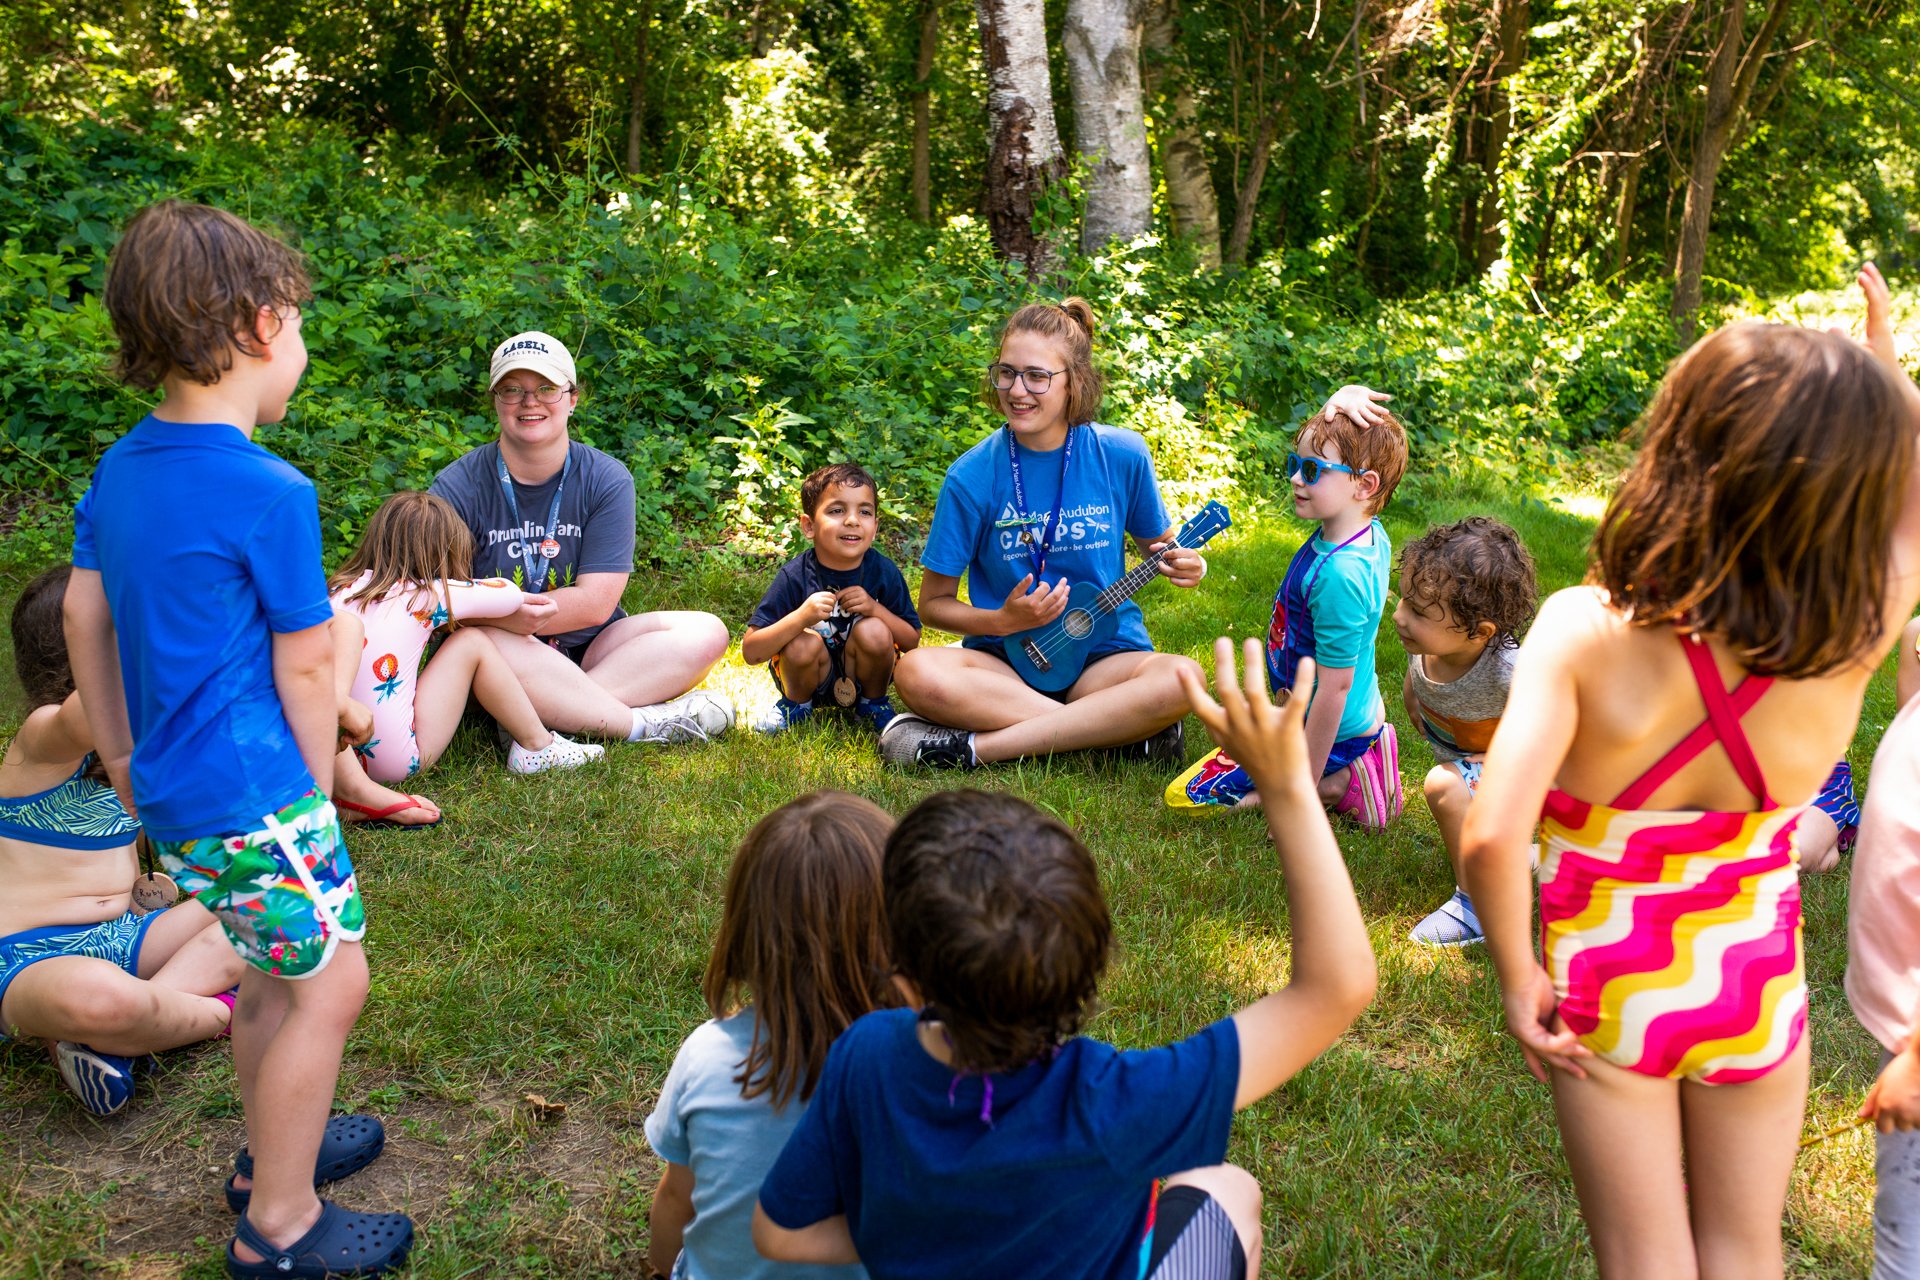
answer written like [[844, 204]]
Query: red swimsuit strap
[[1722, 724]]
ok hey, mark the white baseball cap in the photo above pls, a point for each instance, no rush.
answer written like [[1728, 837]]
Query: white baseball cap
[[542, 353]]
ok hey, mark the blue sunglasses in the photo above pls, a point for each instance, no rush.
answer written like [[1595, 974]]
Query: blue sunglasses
[[1311, 469]]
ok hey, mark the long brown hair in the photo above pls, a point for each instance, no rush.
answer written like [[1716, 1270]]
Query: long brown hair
[[803, 937], [1069, 323], [413, 537], [1762, 504], [40, 639]]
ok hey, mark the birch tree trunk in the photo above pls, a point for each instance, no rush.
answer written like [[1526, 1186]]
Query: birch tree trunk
[[1191, 201], [1730, 78], [1102, 43], [1023, 143], [923, 111]]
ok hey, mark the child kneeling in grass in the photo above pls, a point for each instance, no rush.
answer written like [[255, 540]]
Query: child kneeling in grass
[[980, 1136], [838, 614], [801, 953], [1467, 591]]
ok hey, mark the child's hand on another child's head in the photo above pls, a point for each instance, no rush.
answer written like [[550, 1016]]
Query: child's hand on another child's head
[[1358, 403], [1269, 742], [356, 722]]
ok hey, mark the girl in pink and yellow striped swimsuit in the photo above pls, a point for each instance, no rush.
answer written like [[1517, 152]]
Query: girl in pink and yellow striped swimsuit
[[1750, 573]]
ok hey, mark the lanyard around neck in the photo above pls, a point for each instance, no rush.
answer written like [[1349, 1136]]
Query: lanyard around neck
[[549, 542], [1313, 574], [1038, 549]]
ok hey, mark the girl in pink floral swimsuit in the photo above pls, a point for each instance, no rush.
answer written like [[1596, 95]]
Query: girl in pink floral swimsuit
[[408, 580]]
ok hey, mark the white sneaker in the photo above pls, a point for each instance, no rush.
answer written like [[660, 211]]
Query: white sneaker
[[692, 717], [561, 753]]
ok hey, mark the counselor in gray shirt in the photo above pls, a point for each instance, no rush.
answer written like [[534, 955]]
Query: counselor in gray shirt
[[556, 517]]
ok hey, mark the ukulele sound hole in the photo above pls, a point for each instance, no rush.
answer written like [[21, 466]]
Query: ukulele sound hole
[[1079, 624]]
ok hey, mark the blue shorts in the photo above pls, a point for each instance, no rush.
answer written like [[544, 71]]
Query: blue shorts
[[1837, 802], [822, 695], [1469, 771], [116, 941]]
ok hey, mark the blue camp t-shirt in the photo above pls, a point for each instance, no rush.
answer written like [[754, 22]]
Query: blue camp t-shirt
[[803, 575], [1048, 1179], [196, 601], [1328, 608], [729, 1143], [1111, 492]]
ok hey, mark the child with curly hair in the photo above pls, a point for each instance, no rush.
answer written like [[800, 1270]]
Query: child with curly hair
[[1467, 591]]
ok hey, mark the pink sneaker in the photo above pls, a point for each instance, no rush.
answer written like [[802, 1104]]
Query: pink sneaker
[[1373, 796]]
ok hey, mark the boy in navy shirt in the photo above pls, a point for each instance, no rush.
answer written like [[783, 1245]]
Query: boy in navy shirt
[[201, 651], [981, 1136], [837, 615]]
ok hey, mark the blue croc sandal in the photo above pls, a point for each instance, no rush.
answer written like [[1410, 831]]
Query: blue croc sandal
[[341, 1243], [350, 1144]]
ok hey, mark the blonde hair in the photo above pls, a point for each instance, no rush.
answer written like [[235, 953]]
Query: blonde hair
[[413, 537], [1069, 323]]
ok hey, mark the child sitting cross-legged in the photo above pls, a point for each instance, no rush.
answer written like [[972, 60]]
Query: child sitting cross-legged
[[976, 1134], [405, 581], [80, 967], [838, 614], [1467, 591], [802, 952], [1349, 458]]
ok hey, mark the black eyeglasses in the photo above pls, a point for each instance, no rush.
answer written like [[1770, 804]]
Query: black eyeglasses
[[1037, 380], [518, 395]]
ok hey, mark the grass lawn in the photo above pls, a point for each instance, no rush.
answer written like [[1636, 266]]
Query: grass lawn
[[549, 937]]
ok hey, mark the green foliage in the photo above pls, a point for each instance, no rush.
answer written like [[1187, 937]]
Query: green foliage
[[722, 357]]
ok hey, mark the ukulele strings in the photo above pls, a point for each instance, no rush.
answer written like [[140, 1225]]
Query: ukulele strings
[[1049, 646]]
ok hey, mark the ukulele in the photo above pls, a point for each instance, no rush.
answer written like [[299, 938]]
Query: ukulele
[[1051, 657]]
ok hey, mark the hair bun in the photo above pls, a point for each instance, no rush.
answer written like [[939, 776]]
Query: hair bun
[[1081, 312]]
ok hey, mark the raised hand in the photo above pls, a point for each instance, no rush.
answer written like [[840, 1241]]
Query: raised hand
[[1530, 1009], [1879, 314], [1268, 741], [1026, 609], [1358, 403]]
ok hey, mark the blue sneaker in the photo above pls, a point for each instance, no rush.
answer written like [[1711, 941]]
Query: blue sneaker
[[1452, 924], [783, 715], [102, 1081], [877, 712]]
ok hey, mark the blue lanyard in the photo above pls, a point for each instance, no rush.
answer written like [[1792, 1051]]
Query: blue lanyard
[[1038, 551], [536, 576]]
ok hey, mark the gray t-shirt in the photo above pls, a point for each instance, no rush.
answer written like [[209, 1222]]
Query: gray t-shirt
[[703, 1123], [1458, 718], [594, 527]]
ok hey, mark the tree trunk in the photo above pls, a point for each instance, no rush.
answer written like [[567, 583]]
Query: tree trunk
[[1621, 172], [1102, 44], [1514, 19], [1023, 143], [637, 91], [1250, 191], [1183, 152], [923, 111], [1730, 77]]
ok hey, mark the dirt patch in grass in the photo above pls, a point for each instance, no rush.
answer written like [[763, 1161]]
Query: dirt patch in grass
[[159, 1173]]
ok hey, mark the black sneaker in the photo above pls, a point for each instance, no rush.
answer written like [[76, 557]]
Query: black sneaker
[[1169, 746], [915, 740]]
